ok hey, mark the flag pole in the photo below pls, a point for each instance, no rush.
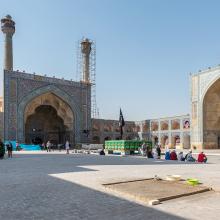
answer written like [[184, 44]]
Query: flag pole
[[121, 132], [121, 124]]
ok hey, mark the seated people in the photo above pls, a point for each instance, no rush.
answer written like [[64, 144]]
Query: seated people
[[149, 153], [167, 154], [189, 157], [202, 158], [181, 157], [102, 152], [173, 155]]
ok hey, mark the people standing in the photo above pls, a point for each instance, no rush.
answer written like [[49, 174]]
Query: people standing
[[43, 146], [143, 149], [9, 149], [2, 149], [48, 146], [17, 146], [67, 146], [158, 149]]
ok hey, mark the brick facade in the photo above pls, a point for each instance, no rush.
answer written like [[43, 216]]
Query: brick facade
[[20, 88]]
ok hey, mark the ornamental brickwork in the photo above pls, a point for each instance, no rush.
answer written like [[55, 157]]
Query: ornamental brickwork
[[172, 132], [204, 110], [21, 88]]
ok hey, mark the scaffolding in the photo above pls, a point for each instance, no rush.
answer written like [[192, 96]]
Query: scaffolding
[[94, 108], [92, 74]]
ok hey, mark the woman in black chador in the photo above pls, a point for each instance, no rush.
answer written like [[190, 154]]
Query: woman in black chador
[[2, 149]]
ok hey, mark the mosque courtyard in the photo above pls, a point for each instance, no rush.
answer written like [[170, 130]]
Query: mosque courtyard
[[59, 186]]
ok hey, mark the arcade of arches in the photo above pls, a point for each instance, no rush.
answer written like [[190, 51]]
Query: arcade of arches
[[176, 141], [48, 117]]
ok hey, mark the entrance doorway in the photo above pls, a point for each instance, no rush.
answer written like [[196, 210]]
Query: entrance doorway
[[45, 124], [49, 117]]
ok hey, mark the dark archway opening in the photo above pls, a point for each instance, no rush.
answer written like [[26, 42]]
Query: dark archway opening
[[107, 138], [96, 140], [211, 117], [45, 125]]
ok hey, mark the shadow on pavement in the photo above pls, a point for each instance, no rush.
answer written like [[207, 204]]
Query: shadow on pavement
[[46, 197]]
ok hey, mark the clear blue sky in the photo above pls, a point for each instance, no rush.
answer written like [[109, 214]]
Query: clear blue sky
[[145, 49]]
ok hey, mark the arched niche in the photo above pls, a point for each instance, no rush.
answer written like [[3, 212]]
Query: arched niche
[[211, 117], [95, 127], [175, 141], [164, 140], [155, 139], [186, 141], [107, 138], [154, 126], [175, 124], [164, 125], [107, 128], [145, 128]]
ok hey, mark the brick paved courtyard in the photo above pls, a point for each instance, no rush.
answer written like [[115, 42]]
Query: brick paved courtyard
[[59, 186]]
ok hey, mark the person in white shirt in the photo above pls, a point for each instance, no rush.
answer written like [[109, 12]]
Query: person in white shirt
[[67, 146], [155, 154], [48, 146], [180, 156]]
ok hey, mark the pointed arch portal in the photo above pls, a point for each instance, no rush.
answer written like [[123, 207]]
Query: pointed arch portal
[[48, 117], [211, 116], [64, 108]]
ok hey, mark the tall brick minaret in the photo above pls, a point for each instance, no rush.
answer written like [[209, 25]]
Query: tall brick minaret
[[8, 28], [85, 49]]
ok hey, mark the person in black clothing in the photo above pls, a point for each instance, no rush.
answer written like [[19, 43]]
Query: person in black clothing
[[149, 152], [2, 149], [102, 152], [9, 149], [158, 149]]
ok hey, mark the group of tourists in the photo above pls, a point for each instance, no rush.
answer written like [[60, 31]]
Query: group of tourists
[[9, 149], [155, 153], [49, 145], [147, 151], [172, 155]]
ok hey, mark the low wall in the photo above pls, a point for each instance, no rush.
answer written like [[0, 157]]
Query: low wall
[[92, 146]]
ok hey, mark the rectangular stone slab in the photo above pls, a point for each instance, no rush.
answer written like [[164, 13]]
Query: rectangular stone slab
[[151, 189]]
